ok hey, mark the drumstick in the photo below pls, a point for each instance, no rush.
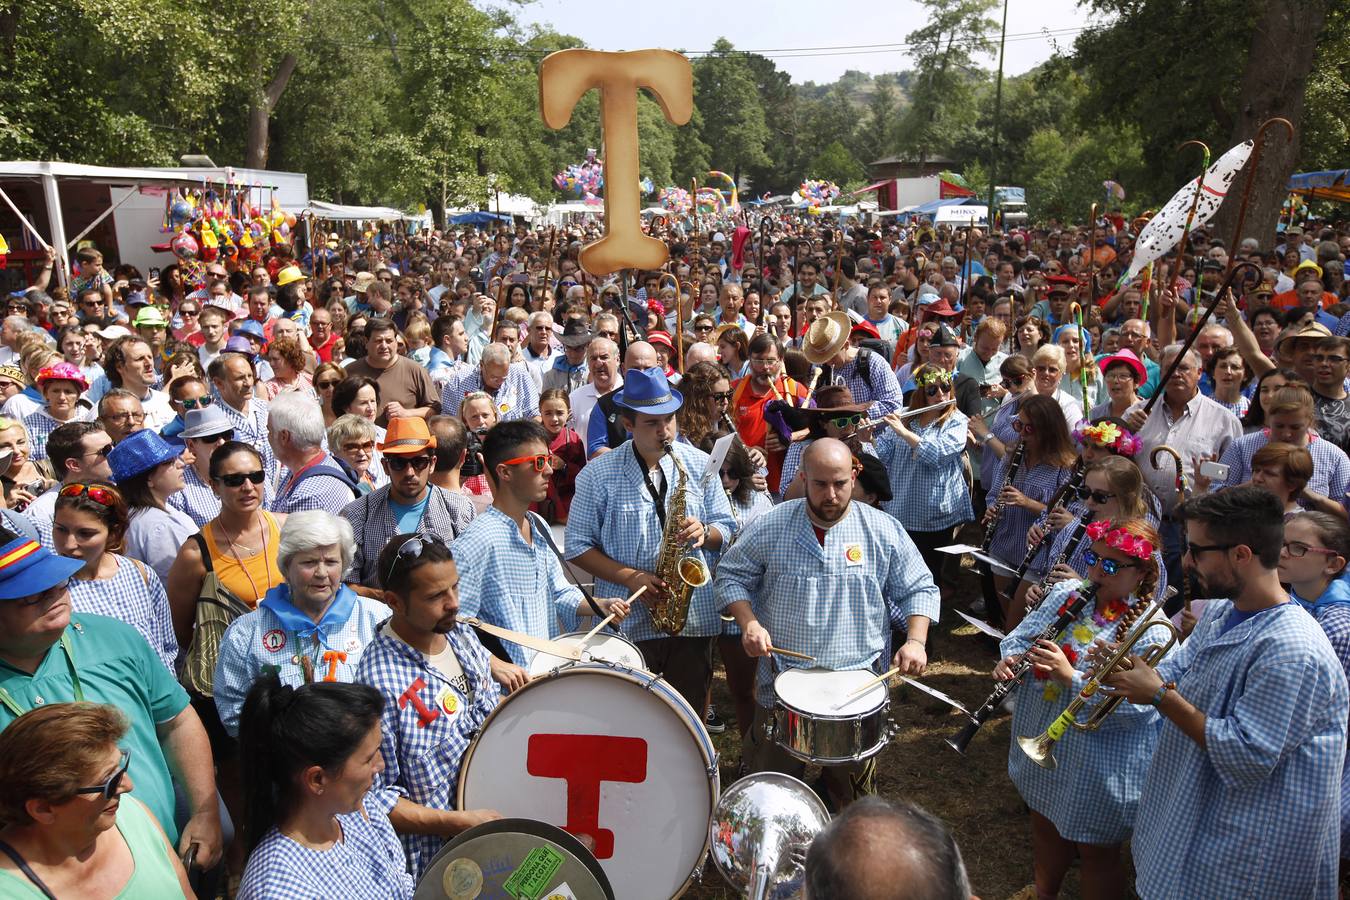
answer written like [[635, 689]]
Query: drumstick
[[610, 618], [869, 685], [792, 653], [525, 640]]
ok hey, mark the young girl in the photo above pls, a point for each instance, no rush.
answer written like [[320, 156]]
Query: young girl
[[89, 524], [478, 414], [1085, 807], [569, 455], [924, 457]]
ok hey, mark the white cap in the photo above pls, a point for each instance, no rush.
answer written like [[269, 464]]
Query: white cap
[[113, 332]]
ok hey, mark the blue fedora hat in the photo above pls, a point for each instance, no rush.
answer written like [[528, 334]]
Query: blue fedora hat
[[140, 452], [647, 391], [27, 568]]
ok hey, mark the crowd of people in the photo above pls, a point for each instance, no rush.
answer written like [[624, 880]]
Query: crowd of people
[[248, 507]]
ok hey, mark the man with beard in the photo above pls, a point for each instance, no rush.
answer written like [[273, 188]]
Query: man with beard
[[1242, 798], [433, 674], [829, 578]]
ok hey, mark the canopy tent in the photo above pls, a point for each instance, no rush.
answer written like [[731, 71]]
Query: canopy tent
[[932, 206], [479, 217], [961, 214], [339, 212], [1333, 185]]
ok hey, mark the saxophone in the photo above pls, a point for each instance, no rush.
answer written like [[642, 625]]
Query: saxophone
[[681, 571]]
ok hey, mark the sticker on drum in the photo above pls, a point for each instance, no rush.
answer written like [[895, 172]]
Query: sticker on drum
[[822, 691], [605, 645], [612, 754]]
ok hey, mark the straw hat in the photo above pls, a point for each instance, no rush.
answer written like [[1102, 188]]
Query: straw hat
[[826, 337]]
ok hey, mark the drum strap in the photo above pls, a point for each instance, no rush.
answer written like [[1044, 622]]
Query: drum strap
[[541, 528]]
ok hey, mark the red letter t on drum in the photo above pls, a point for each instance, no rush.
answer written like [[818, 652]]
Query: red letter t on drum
[[583, 761]]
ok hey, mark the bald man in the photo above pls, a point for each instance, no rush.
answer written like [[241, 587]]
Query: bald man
[[827, 577], [604, 430]]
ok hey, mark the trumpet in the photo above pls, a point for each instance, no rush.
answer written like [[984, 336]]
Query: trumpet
[[1040, 749], [1073, 605]]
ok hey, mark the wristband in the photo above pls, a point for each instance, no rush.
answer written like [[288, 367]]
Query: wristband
[[923, 644], [1162, 692]]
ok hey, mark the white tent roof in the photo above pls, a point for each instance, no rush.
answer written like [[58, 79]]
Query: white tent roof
[[343, 213], [101, 174]]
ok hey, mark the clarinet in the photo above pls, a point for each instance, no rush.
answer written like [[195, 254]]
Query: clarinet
[[1070, 548], [1061, 498], [1009, 474], [1073, 605]]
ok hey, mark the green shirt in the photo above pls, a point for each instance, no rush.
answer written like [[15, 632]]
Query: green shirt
[[117, 667]]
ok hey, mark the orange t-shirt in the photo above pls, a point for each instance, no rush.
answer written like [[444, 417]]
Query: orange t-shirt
[[747, 411], [1289, 300]]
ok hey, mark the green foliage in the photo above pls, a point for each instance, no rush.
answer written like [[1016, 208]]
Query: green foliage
[[835, 163], [733, 117]]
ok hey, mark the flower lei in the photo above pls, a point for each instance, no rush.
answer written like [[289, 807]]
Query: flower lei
[[1120, 539], [934, 376], [1114, 614], [1108, 436]]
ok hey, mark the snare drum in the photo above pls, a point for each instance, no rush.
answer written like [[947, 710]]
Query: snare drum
[[808, 726], [607, 646], [608, 752]]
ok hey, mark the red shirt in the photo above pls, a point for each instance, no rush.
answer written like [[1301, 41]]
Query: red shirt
[[747, 413], [324, 351]]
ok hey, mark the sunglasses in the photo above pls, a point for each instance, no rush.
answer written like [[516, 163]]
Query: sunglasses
[[722, 396], [364, 447], [108, 789], [188, 313], [401, 463], [1014, 383], [539, 461], [1023, 427], [411, 549], [101, 451], [101, 496], [236, 479], [220, 438], [1109, 566], [933, 390], [845, 421], [325, 385], [1087, 493], [201, 402]]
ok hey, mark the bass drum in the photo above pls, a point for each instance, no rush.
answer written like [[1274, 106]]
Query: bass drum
[[611, 755], [607, 646], [520, 855]]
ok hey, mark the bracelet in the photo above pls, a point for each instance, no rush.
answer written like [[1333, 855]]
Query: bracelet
[[1162, 692], [923, 644]]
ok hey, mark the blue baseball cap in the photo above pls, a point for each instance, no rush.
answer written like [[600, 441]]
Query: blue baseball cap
[[251, 326], [27, 568], [140, 452], [647, 391]]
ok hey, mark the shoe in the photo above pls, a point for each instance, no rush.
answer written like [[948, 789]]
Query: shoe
[[713, 722], [977, 608]]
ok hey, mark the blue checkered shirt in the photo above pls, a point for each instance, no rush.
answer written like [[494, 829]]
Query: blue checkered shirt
[[325, 492], [1256, 811], [40, 426], [817, 600], [256, 641], [1093, 792], [421, 754], [517, 398], [196, 499], [134, 595], [928, 482], [1038, 483], [251, 428], [1335, 621], [1331, 467], [506, 582], [367, 864], [446, 515], [613, 512], [883, 396]]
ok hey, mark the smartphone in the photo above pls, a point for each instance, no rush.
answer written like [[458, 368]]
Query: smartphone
[[1214, 471]]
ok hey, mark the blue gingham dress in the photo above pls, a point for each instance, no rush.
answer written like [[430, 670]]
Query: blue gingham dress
[[251, 428], [1092, 794], [613, 512], [1037, 482], [421, 756], [1335, 621], [515, 585], [367, 864], [315, 492], [136, 596], [196, 499], [928, 482], [837, 602], [1256, 811], [1051, 550]]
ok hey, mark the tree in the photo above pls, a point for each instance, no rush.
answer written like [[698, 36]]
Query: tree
[[941, 98], [835, 163], [733, 118], [876, 131]]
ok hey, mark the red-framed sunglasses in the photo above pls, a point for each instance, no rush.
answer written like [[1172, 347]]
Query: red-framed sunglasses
[[100, 495]]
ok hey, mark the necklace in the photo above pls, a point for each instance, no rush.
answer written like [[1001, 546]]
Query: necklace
[[240, 563]]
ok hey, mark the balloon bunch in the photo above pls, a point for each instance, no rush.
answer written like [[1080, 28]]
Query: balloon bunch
[[815, 194], [208, 224], [710, 202], [585, 180], [675, 199]]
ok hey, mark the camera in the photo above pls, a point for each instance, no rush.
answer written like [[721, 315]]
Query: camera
[[473, 456]]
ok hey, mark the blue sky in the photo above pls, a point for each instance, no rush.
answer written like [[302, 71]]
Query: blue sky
[[782, 26]]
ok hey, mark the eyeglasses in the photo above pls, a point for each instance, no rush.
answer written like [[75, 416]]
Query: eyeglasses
[[201, 402], [1047, 370], [763, 363], [108, 789], [722, 397], [1196, 549], [401, 463], [1023, 427], [101, 496], [363, 447], [411, 549], [126, 417], [845, 421], [1087, 493], [540, 461], [326, 385], [1298, 549], [101, 451], [1109, 566], [1325, 358], [236, 479]]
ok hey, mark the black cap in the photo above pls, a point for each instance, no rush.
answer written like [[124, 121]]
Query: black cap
[[944, 337], [575, 333], [874, 478]]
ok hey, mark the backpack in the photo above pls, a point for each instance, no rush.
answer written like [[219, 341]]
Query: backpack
[[215, 609]]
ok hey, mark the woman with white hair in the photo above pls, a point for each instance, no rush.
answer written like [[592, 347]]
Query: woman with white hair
[[311, 627]]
